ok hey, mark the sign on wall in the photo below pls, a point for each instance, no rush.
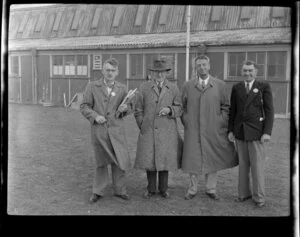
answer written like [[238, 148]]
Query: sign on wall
[[97, 62]]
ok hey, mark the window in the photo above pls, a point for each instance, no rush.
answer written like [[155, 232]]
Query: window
[[276, 65], [235, 63], [271, 65], [260, 59], [70, 65], [136, 65], [164, 14], [75, 20], [57, 21], [139, 15], [14, 66], [39, 23], [57, 65], [82, 65], [170, 60], [96, 18], [117, 17], [23, 23]]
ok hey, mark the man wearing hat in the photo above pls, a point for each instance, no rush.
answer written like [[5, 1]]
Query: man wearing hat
[[159, 143]]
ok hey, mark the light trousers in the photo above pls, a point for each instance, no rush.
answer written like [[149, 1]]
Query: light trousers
[[251, 157], [101, 180], [210, 183]]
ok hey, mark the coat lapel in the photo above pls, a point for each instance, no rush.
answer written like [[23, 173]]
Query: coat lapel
[[102, 86], [154, 87], [164, 89]]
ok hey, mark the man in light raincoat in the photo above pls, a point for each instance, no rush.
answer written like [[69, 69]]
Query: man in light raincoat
[[205, 118], [101, 105]]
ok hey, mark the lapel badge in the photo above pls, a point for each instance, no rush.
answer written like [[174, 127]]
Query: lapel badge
[[113, 93], [255, 90]]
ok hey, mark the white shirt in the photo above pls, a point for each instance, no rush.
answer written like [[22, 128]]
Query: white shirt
[[109, 89], [250, 84], [205, 80]]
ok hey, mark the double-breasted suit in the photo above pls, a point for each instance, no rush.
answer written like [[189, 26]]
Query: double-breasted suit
[[251, 115]]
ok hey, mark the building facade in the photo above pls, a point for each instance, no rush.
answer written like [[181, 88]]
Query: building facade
[[55, 50]]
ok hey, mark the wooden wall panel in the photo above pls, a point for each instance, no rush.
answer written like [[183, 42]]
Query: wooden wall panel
[[43, 77], [27, 83]]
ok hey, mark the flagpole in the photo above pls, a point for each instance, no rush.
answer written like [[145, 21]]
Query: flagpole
[[188, 20]]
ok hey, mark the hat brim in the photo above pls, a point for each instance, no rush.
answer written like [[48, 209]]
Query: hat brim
[[160, 70]]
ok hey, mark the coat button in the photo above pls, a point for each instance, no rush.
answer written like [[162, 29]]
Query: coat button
[[156, 101], [107, 113]]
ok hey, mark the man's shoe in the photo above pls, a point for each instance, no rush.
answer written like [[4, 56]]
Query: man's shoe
[[259, 204], [94, 198], [123, 196], [165, 194], [213, 196], [238, 199], [189, 196], [148, 194]]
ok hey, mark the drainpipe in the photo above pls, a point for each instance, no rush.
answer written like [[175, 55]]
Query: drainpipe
[[34, 76], [188, 20]]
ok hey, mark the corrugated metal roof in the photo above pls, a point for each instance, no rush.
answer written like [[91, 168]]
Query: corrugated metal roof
[[228, 37], [98, 19]]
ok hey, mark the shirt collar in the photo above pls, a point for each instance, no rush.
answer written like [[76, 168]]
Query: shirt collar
[[250, 83], [205, 80]]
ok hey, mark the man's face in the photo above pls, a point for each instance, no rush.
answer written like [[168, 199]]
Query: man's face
[[110, 72], [249, 72], [159, 76], [202, 68]]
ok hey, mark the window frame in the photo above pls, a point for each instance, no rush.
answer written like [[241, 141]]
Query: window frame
[[76, 75], [10, 71], [265, 76]]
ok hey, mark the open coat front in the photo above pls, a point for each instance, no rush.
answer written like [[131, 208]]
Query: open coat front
[[205, 118], [159, 144], [109, 139]]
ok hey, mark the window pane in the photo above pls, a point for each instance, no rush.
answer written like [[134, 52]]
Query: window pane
[[260, 70], [15, 65], [281, 58], [271, 71], [82, 60], [260, 58], [280, 71], [232, 70], [239, 70], [241, 57], [271, 58], [136, 65], [232, 58], [252, 56], [58, 60]]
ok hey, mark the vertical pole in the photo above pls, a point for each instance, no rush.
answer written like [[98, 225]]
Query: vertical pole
[[188, 20], [69, 91]]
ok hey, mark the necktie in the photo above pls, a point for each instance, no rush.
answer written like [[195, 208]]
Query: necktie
[[203, 84], [247, 87], [159, 87]]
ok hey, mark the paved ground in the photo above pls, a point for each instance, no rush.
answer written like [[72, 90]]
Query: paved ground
[[51, 165]]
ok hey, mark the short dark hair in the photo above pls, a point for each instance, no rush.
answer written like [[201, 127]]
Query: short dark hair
[[202, 56], [112, 61], [249, 63]]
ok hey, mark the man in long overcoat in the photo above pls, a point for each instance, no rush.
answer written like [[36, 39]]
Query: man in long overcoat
[[250, 126], [206, 148], [101, 105], [159, 143]]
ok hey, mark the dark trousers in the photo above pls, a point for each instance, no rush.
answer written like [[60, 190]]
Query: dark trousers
[[162, 181]]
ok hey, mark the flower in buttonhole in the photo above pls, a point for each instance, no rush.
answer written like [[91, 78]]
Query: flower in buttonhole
[[255, 90], [113, 93]]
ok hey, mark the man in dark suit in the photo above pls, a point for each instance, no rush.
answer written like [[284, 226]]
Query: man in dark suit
[[250, 125]]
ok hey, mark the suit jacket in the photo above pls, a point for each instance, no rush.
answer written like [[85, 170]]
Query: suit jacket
[[251, 115]]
